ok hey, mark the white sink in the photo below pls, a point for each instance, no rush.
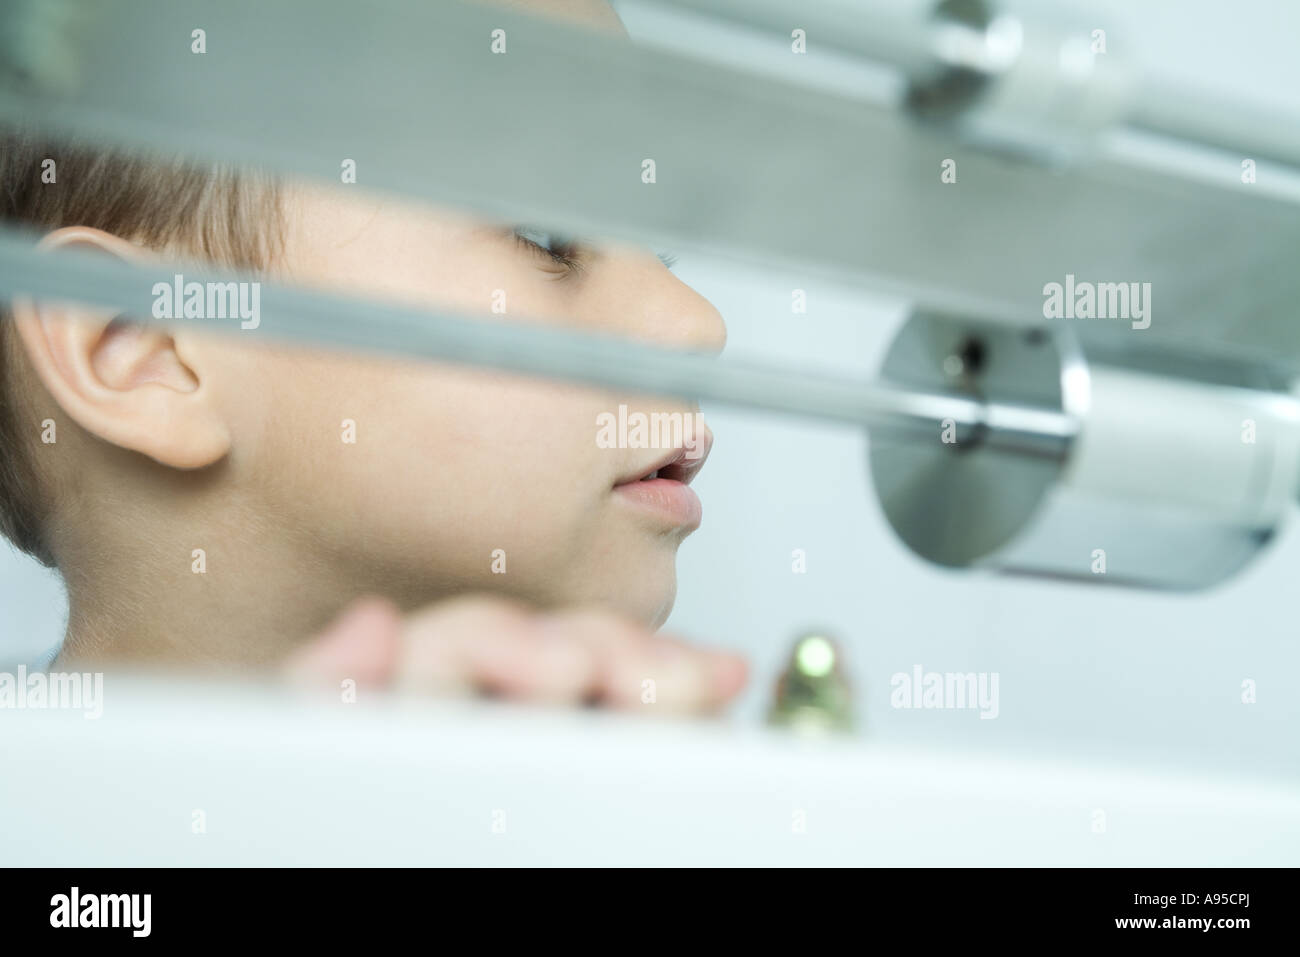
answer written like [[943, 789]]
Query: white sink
[[278, 779]]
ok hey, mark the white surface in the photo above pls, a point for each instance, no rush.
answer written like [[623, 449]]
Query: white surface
[[414, 784]]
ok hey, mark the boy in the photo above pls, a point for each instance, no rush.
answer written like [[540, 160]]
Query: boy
[[219, 499]]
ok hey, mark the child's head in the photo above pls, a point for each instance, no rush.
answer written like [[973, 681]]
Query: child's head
[[308, 477]]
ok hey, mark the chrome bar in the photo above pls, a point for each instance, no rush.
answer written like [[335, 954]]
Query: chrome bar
[[304, 316], [921, 40]]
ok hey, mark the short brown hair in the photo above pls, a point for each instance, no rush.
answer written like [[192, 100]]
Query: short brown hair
[[228, 217]]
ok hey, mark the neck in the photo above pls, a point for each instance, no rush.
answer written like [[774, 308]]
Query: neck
[[163, 600]]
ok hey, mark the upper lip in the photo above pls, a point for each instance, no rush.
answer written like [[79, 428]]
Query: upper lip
[[680, 468]]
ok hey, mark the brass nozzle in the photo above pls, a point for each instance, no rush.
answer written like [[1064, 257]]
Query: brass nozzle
[[813, 692]]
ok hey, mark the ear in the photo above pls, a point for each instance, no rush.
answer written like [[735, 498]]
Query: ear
[[125, 382]]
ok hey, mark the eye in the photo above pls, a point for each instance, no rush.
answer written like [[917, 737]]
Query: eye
[[562, 250]]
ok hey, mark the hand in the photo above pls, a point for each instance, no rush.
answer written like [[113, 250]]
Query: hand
[[491, 645]]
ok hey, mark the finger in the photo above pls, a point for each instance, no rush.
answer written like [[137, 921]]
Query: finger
[[483, 643], [361, 644], [640, 671], [728, 670], [671, 679]]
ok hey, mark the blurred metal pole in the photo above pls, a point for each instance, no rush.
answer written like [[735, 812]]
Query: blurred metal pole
[[953, 52], [556, 132], [312, 318]]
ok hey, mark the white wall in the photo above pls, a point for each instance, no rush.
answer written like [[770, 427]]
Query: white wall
[[33, 608], [1083, 668]]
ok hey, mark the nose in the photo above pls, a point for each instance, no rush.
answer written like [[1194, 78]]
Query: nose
[[653, 305], [708, 330]]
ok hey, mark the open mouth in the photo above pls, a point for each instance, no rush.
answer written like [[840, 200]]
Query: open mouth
[[678, 465], [673, 472], [662, 488]]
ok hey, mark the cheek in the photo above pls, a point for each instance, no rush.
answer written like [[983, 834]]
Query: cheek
[[469, 454]]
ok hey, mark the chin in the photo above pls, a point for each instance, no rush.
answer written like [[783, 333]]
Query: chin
[[652, 607], [639, 584]]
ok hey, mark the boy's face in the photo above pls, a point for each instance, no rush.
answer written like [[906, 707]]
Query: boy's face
[[449, 464], [459, 478], [322, 475]]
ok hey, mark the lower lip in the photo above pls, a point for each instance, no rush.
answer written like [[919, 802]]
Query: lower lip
[[672, 500]]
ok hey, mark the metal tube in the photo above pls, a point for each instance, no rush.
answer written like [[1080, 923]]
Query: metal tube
[[902, 34], [921, 40], [304, 316]]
